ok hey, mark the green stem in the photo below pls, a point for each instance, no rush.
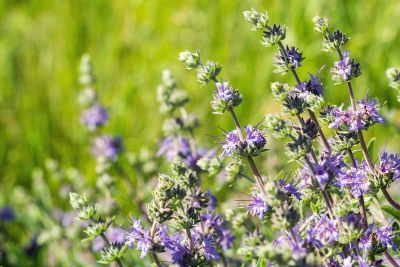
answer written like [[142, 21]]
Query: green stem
[[390, 199], [390, 259]]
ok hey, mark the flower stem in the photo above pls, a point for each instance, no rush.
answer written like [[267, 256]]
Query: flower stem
[[189, 235], [390, 199], [153, 254], [390, 259], [155, 259], [310, 112]]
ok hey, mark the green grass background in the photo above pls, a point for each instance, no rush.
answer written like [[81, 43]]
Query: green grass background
[[131, 42]]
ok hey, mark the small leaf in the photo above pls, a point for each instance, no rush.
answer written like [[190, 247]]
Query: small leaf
[[392, 211], [261, 262], [371, 146]]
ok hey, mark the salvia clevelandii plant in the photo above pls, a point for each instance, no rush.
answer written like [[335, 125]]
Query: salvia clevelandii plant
[[325, 213]]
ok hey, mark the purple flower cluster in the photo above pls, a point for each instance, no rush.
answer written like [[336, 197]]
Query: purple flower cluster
[[389, 165], [218, 229], [290, 189], [107, 147], [182, 254], [7, 214], [94, 117], [313, 86], [173, 148], [224, 91], [254, 141], [255, 138], [343, 66], [375, 236], [365, 116], [324, 232], [355, 180], [258, 206], [345, 69], [232, 143], [295, 57], [329, 166], [140, 237], [113, 234]]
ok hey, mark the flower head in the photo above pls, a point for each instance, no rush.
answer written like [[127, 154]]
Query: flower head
[[258, 206], [94, 117], [107, 147], [290, 58], [140, 237], [225, 97], [355, 180], [324, 232], [7, 214], [231, 143], [389, 165], [345, 69], [189, 59], [255, 138], [290, 189]]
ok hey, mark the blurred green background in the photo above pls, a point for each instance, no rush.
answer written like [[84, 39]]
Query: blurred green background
[[131, 42]]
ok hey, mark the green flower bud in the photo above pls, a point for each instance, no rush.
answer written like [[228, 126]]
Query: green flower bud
[[259, 20], [278, 127], [320, 24], [274, 34], [280, 90], [208, 72], [393, 74], [112, 253], [189, 59]]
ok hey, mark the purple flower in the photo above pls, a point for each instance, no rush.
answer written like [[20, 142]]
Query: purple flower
[[314, 85], [290, 189], [254, 138], [329, 167], [365, 116], [224, 91], [94, 117], [171, 148], [231, 143], [209, 250], [355, 179], [377, 236], [368, 109], [344, 67], [389, 165], [107, 147], [294, 240], [324, 232], [212, 201], [218, 228], [7, 214], [385, 236], [113, 234], [295, 57], [257, 207], [140, 237]]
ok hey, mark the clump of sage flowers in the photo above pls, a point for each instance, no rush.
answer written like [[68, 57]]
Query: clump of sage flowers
[[323, 214]]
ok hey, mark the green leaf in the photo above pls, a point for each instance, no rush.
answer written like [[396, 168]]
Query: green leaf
[[262, 262], [392, 211], [371, 146]]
